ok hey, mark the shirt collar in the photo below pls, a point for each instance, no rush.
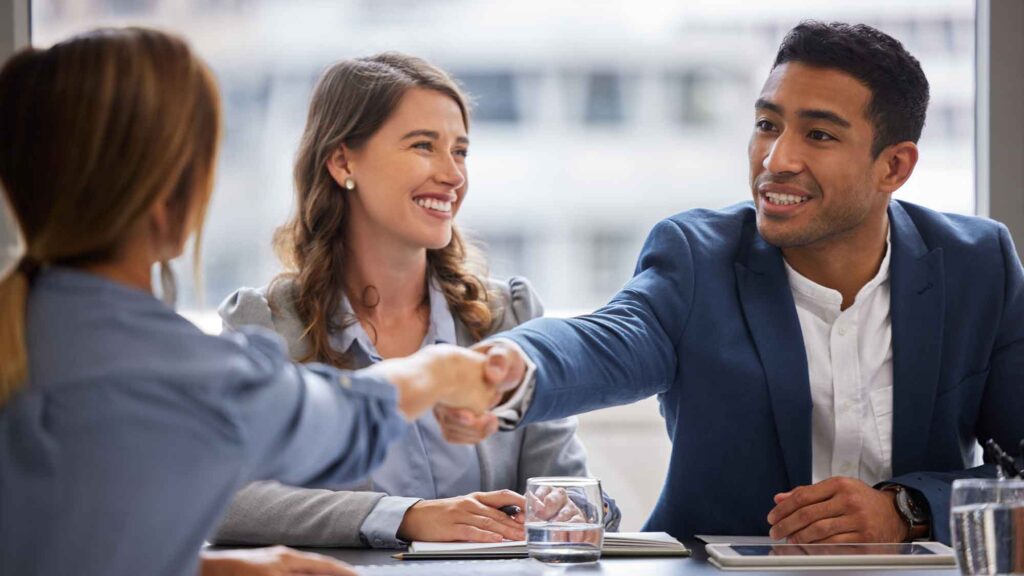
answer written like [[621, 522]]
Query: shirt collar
[[825, 302], [440, 331]]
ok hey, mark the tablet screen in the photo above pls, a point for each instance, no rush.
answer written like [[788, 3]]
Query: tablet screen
[[831, 550]]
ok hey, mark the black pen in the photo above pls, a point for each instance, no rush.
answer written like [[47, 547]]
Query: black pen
[[512, 510]]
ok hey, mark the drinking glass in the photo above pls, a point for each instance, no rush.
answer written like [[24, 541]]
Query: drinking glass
[[987, 524], [564, 519]]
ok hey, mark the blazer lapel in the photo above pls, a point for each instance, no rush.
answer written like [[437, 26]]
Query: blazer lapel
[[917, 312], [771, 317]]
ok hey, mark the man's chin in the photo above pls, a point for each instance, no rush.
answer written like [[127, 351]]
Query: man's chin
[[782, 236]]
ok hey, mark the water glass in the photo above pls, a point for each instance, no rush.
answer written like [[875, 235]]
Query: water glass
[[987, 524], [564, 519]]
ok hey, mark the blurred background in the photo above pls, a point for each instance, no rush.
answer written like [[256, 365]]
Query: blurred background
[[592, 120]]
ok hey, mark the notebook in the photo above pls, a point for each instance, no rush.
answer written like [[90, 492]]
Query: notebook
[[615, 544]]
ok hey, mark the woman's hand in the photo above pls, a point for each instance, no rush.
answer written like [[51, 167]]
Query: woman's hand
[[471, 518], [275, 561]]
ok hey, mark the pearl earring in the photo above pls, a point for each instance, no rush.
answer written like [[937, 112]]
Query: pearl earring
[[350, 184]]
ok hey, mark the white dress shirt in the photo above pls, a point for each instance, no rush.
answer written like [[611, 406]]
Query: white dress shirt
[[849, 365]]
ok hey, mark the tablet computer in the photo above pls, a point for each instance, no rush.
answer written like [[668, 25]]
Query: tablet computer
[[846, 555]]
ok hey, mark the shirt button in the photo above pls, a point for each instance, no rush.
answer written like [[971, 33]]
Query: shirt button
[[346, 381], [842, 330]]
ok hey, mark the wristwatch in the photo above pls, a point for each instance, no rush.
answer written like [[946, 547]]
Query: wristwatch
[[913, 508]]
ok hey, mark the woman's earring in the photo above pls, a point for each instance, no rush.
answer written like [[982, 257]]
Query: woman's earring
[[350, 184]]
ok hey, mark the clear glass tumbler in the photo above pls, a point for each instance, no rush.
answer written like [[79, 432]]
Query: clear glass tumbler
[[564, 519], [987, 524]]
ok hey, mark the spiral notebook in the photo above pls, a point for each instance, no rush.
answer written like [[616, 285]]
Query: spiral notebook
[[615, 544]]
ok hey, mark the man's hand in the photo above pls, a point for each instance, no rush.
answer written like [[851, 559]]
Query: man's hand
[[506, 368], [471, 518], [275, 561], [836, 510]]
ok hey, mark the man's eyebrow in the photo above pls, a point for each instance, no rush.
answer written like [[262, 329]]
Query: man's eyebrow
[[825, 115], [422, 133], [762, 103]]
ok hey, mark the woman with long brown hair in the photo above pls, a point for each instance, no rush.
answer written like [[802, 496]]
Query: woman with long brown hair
[[376, 269], [124, 430]]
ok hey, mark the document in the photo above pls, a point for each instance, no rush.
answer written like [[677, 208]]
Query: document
[[615, 544]]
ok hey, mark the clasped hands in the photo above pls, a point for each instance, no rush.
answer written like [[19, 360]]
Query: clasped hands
[[836, 510], [468, 382], [506, 368]]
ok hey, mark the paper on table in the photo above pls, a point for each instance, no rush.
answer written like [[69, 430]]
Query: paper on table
[[612, 540], [615, 544], [741, 540]]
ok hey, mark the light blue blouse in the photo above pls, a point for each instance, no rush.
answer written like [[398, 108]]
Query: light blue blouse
[[135, 429], [421, 464]]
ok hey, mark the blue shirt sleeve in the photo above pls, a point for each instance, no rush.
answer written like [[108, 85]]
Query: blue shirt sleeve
[[308, 424]]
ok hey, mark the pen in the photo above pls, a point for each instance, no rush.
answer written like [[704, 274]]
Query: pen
[[511, 509]]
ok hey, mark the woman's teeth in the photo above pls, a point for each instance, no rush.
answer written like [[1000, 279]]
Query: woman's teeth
[[432, 204], [784, 199]]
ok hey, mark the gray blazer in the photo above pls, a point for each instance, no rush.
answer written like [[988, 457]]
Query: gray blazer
[[272, 513]]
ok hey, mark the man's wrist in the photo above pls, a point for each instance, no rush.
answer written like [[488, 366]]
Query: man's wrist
[[912, 509]]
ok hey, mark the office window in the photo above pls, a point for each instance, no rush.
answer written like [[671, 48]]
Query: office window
[[604, 99], [493, 94]]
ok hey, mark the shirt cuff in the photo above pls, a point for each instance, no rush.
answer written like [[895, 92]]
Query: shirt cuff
[[512, 411], [380, 529]]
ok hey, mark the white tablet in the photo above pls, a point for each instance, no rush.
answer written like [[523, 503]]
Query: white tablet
[[766, 555]]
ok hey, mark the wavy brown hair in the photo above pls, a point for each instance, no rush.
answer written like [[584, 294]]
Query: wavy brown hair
[[351, 101], [95, 130]]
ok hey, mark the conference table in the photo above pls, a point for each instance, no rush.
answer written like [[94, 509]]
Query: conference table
[[380, 562]]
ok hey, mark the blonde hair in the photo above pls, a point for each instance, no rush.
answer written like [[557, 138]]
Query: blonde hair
[[96, 129], [351, 101]]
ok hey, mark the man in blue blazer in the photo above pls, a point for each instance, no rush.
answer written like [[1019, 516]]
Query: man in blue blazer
[[825, 357]]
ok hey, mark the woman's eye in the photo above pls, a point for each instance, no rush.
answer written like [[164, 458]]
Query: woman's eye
[[462, 152], [764, 125], [820, 136], [423, 146]]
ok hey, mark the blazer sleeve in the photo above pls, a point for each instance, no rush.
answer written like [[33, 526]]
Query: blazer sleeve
[[623, 352], [246, 307], [264, 513], [1002, 402], [549, 448]]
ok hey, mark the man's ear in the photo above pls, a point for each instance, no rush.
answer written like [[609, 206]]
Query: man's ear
[[895, 165], [339, 164]]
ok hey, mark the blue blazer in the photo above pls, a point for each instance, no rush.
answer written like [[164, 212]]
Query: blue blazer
[[708, 324]]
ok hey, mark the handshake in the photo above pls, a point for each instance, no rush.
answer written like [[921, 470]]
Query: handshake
[[462, 384]]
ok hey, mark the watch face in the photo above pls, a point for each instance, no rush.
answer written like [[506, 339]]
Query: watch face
[[909, 507]]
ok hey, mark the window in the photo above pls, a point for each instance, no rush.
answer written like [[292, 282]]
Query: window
[[493, 95], [604, 100]]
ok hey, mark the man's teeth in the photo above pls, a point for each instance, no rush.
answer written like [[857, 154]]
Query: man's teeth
[[785, 199], [432, 204]]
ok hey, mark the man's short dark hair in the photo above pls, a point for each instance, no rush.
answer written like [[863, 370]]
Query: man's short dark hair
[[899, 90]]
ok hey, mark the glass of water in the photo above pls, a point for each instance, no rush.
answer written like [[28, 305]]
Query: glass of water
[[987, 523], [564, 519]]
